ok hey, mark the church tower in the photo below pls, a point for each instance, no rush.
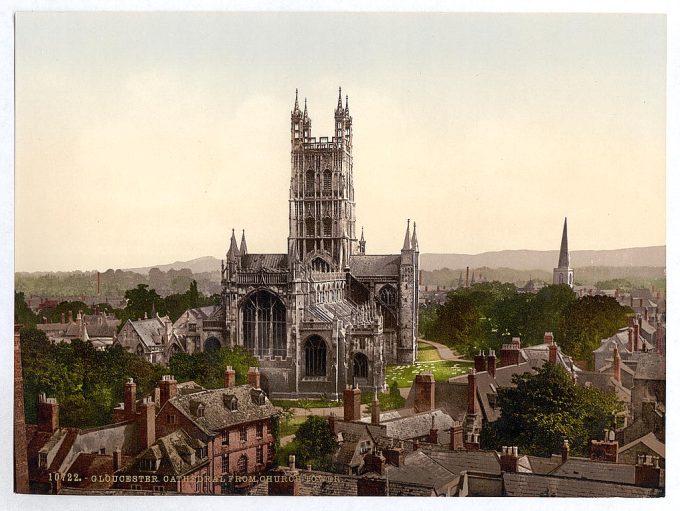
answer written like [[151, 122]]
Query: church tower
[[564, 274], [321, 201]]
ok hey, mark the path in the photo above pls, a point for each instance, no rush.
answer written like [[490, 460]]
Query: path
[[444, 351]]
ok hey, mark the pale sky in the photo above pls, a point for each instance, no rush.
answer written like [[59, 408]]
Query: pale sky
[[144, 138]]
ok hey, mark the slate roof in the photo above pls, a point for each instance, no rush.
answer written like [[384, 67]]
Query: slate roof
[[267, 262], [202, 312], [604, 381], [650, 441], [583, 468], [651, 366], [536, 485], [620, 338], [151, 330], [375, 265], [37, 440], [538, 354], [217, 416], [419, 468], [486, 462], [418, 425]]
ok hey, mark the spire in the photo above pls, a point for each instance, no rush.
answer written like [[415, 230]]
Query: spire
[[407, 238], [305, 113], [244, 247], [233, 251], [362, 242], [414, 239], [339, 98], [362, 234], [346, 104], [296, 108], [564, 248]]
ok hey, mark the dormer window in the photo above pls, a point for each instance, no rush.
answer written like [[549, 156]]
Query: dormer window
[[257, 396], [148, 464], [200, 410]]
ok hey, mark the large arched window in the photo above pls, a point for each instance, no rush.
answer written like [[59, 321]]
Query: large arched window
[[212, 343], [360, 366], [309, 183], [264, 324], [318, 264], [327, 182], [315, 356], [388, 295]]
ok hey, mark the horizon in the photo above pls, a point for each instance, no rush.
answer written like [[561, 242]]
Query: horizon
[[129, 116]]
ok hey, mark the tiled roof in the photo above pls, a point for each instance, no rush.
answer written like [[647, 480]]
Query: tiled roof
[[596, 470], [538, 485], [650, 441], [266, 262], [375, 265], [418, 425], [150, 331], [651, 366], [216, 415], [457, 461], [419, 468]]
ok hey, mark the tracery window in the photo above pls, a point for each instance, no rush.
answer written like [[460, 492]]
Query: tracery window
[[264, 324], [309, 183], [315, 356], [360, 366], [388, 295], [327, 182]]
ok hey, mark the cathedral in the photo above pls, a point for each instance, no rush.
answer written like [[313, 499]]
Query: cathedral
[[324, 314]]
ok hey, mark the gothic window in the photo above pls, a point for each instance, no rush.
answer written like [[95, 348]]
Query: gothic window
[[388, 295], [309, 183], [212, 343], [561, 278], [360, 366], [327, 182], [264, 324], [242, 466], [310, 227], [327, 227], [315, 356], [319, 264]]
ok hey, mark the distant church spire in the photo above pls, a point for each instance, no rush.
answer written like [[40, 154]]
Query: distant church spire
[[407, 238], [564, 248], [339, 98], [362, 242], [244, 247]]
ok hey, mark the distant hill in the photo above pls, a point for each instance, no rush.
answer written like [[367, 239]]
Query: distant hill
[[546, 260], [200, 265]]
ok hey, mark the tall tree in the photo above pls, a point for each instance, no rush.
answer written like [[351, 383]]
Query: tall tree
[[315, 443]]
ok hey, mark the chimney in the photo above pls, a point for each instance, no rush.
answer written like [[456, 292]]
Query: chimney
[[548, 338], [375, 409], [48, 413], [229, 377], [424, 400], [467, 276], [509, 459], [146, 424], [516, 343], [480, 362], [375, 462], [647, 314], [636, 335], [471, 441], [631, 345], [605, 450], [472, 393], [416, 444], [291, 461], [394, 456], [168, 386], [552, 353], [351, 398], [456, 436], [631, 299], [647, 471], [129, 398], [565, 451], [157, 395], [254, 377], [331, 422], [616, 364], [70, 316], [433, 435], [287, 483], [117, 460], [491, 363]]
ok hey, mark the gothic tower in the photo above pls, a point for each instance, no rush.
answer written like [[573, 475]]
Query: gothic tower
[[564, 274], [321, 204]]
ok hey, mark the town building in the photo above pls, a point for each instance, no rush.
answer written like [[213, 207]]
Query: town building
[[151, 338]]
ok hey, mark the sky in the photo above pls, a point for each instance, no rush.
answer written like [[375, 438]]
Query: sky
[[144, 138]]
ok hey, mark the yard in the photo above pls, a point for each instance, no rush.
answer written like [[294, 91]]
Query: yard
[[428, 361]]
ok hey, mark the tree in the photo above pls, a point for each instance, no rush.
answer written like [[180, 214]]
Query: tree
[[315, 443], [22, 312], [207, 368], [544, 409]]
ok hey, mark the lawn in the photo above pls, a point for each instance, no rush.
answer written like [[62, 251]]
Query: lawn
[[441, 369], [290, 426], [427, 352]]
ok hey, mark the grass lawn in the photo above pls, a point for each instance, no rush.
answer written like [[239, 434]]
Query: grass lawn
[[291, 426], [441, 369], [305, 403], [427, 352]]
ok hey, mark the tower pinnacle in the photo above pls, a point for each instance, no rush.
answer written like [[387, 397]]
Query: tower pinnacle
[[407, 238], [564, 248]]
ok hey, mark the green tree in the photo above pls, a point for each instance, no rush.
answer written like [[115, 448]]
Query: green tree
[[207, 368], [544, 409], [22, 312], [54, 315], [315, 444]]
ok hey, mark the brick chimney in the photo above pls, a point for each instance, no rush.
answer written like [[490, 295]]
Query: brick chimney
[[168, 386], [375, 409], [471, 441], [472, 393], [394, 456], [636, 335], [480, 362], [374, 462], [424, 400], [510, 354], [146, 423], [647, 471], [254, 377], [548, 338], [48, 413], [351, 399], [631, 344], [70, 316], [229, 377], [491, 363], [552, 353], [565, 451], [605, 450], [616, 364], [456, 436], [130, 398], [117, 460], [509, 459], [433, 435]]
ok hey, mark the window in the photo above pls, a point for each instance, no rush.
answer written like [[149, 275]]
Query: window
[[360, 366], [170, 419], [192, 327], [259, 430], [42, 460], [327, 182], [315, 356], [135, 486], [242, 466], [147, 464], [388, 295], [327, 227], [225, 437], [243, 433], [200, 410], [259, 455], [225, 463], [309, 183], [159, 489], [264, 324], [310, 227]]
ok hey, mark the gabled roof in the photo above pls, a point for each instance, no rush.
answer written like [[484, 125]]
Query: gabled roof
[[650, 441], [151, 331], [457, 461], [536, 485], [266, 262], [375, 265], [325, 312]]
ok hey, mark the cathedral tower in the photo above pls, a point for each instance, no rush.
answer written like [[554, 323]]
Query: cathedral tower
[[564, 274], [321, 202]]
